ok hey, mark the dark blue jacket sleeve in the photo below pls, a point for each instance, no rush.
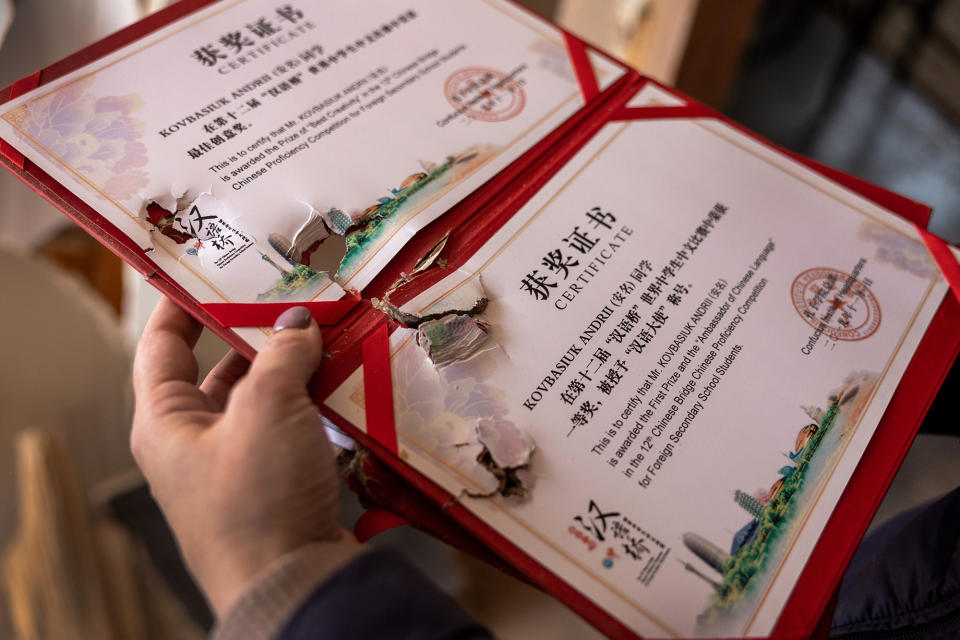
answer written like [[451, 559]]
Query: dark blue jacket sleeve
[[904, 581], [378, 595]]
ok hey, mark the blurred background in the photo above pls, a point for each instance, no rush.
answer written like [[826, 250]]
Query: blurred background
[[871, 87]]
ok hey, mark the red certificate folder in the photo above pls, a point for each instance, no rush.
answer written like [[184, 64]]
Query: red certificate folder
[[384, 479]]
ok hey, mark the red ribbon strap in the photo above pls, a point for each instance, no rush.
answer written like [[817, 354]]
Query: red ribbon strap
[[376, 520], [263, 314], [946, 261], [17, 89], [582, 67], [378, 388]]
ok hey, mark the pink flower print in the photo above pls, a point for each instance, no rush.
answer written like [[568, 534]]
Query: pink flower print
[[95, 137]]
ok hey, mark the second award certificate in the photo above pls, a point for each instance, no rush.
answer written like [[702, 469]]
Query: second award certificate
[[689, 342]]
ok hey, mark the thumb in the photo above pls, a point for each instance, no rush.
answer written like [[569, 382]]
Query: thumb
[[292, 352]]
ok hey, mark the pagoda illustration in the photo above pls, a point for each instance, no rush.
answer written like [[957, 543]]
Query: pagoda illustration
[[338, 221], [313, 232], [752, 506]]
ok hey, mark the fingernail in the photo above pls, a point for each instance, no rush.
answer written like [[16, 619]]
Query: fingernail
[[292, 318]]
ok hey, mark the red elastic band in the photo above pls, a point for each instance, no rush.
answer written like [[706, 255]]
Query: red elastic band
[[378, 388], [582, 67], [946, 261], [263, 314], [25, 84], [376, 520], [17, 89]]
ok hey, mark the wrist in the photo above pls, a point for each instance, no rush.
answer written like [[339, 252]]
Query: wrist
[[227, 571], [228, 568], [271, 596]]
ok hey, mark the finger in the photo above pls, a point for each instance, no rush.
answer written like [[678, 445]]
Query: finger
[[165, 351], [293, 352], [223, 377], [164, 382]]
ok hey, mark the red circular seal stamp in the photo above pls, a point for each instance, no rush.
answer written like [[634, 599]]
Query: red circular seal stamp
[[485, 94], [837, 304]]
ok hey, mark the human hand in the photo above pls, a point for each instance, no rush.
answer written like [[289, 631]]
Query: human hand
[[240, 465]]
